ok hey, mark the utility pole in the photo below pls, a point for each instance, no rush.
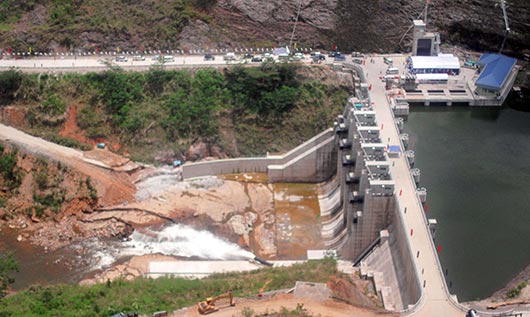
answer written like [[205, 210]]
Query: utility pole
[[506, 25], [426, 11], [295, 22]]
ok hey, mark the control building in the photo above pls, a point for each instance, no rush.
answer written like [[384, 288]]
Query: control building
[[424, 43]]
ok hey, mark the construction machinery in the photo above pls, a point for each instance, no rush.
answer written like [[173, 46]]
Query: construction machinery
[[208, 306], [260, 292]]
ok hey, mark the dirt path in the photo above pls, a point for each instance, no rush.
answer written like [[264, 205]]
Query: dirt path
[[70, 128], [325, 308], [113, 188]]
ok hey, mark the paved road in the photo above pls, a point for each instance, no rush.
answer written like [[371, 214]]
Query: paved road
[[435, 301], [100, 63]]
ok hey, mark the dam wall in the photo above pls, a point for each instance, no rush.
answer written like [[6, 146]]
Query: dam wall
[[309, 162], [316, 164], [362, 218], [403, 261]]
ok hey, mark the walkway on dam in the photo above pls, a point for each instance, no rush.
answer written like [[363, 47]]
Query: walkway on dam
[[435, 299]]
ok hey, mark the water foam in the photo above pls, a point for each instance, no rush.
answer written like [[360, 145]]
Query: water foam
[[181, 240]]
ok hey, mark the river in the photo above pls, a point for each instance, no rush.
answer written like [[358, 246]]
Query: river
[[475, 164], [71, 264]]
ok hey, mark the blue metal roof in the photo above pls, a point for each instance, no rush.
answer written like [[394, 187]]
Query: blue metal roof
[[497, 69]]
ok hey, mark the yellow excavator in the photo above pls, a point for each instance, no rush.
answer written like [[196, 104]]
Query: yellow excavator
[[208, 306]]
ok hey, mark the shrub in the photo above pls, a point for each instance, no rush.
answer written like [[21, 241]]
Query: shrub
[[10, 82], [11, 173]]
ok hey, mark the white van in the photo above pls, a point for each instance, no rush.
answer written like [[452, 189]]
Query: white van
[[169, 58], [392, 71], [230, 56]]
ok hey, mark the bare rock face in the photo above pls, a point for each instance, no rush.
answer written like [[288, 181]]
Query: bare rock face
[[200, 150], [238, 224], [265, 240], [197, 151], [266, 21], [242, 224], [196, 35], [318, 13]]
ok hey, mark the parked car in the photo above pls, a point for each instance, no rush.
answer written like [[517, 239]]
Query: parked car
[[256, 59], [299, 56], [268, 57], [388, 60], [340, 58], [121, 58], [333, 54], [138, 58], [357, 61], [248, 55], [209, 57], [357, 54], [230, 56]]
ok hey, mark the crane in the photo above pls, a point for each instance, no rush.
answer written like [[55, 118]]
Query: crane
[[260, 292], [208, 306]]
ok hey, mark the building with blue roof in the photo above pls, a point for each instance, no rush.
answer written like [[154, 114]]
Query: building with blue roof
[[496, 73]]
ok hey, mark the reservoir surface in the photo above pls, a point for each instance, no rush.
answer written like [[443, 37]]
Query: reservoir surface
[[475, 164]]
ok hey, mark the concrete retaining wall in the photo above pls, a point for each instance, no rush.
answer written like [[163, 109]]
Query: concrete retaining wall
[[403, 260], [308, 162], [316, 164]]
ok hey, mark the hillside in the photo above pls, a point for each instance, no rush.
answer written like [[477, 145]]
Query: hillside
[[164, 115], [69, 25]]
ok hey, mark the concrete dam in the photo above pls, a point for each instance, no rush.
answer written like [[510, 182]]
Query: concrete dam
[[371, 207]]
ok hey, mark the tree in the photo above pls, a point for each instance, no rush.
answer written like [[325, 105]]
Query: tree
[[205, 4], [119, 93], [192, 112], [8, 265], [10, 81]]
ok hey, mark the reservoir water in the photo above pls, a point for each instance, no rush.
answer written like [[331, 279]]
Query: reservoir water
[[475, 164]]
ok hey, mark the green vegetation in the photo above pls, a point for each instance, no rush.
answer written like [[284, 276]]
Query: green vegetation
[[92, 192], [7, 266], [241, 110], [10, 173], [299, 311], [517, 290], [155, 23], [55, 138], [147, 295], [9, 84]]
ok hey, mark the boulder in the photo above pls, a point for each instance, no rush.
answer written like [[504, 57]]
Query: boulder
[[238, 224], [197, 151]]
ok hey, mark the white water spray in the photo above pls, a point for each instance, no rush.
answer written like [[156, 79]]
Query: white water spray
[[176, 240], [181, 240]]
